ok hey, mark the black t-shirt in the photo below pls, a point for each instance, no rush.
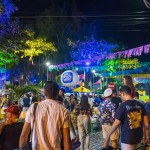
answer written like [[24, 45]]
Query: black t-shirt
[[131, 113], [117, 101], [9, 138]]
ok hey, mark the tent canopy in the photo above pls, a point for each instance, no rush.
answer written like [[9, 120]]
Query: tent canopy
[[82, 90]]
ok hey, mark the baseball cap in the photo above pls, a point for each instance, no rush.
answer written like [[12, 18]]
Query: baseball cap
[[107, 92], [13, 109]]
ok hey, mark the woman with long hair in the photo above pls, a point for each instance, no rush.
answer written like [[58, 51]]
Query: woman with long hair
[[84, 122], [127, 80]]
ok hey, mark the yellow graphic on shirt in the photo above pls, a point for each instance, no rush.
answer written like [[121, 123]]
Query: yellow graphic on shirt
[[135, 119]]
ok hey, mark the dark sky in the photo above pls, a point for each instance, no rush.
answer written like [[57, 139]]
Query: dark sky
[[87, 6], [125, 21]]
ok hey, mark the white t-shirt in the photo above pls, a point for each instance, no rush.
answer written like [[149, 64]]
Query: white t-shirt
[[50, 118]]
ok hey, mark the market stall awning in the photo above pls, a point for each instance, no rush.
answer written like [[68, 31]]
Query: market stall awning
[[82, 90]]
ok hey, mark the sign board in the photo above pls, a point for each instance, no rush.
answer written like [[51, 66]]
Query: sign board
[[111, 85]]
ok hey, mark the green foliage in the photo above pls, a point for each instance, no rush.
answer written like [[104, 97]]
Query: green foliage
[[9, 59], [58, 79], [35, 46], [1, 7], [20, 90], [120, 64]]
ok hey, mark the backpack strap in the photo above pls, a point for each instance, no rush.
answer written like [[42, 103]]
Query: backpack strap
[[35, 106]]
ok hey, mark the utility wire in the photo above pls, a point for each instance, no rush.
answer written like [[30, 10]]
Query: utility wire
[[82, 16]]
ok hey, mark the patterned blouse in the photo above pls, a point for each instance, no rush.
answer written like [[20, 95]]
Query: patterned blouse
[[106, 109], [86, 112], [73, 118]]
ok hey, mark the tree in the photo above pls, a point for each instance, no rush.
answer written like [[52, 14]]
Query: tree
[[32, 48], [59, 29], [89, 48], [8, 59], [9, 28], [19, 91], [35, 46]]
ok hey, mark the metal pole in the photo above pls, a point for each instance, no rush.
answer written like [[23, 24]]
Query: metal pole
[[93, 82], [47, 73], [84, 77]]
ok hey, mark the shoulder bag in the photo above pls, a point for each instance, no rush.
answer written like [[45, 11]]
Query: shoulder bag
[[28, 145]]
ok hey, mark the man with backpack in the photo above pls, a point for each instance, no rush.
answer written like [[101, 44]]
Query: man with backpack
[[50, 123]]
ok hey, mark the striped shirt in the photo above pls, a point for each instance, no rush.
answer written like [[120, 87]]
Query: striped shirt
[[50, 118]]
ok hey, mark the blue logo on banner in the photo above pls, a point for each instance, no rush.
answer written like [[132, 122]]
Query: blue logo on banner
[[67, 77]]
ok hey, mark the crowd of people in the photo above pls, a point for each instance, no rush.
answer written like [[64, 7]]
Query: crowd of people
[[56, 121]]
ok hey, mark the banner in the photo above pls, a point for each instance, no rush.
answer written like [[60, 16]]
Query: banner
[[126, 54], [126, 72]]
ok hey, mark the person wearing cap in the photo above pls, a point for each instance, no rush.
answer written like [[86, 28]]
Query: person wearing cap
[[107, 110], [10, 129]]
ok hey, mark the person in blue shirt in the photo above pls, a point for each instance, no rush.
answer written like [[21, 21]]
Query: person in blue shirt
[[25, 102]]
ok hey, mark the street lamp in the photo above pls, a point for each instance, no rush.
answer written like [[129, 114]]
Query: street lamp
[[76, 69], [47, 64]]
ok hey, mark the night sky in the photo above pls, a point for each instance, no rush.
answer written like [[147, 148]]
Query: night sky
[[125, 21]]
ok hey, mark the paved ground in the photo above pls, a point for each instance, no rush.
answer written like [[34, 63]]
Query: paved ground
[[96, 141]]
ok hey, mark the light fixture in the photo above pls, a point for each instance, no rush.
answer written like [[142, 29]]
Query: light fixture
[[76, 69], [93, 71], [87, 63], [47, 63]]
